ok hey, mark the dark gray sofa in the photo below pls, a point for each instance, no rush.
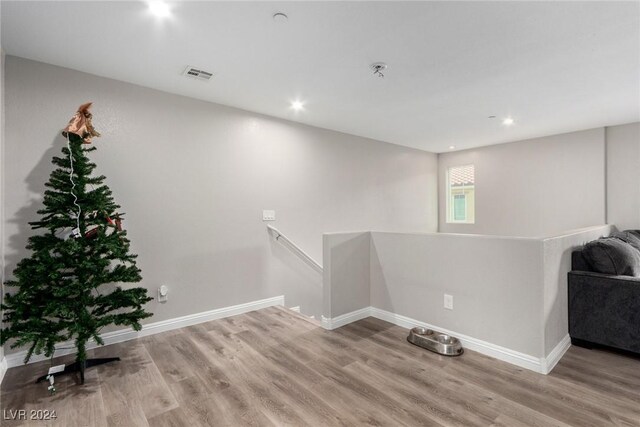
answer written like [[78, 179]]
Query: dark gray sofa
[[603, 309]]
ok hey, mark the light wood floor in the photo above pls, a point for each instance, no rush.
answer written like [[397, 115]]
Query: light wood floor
[[272, 367]]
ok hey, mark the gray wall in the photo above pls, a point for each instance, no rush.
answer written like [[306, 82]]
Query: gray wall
[[346, 273], [508, 291], [557, 263], [496, 283], [537, 187], [193, 178], [2, 162], [623, 176]]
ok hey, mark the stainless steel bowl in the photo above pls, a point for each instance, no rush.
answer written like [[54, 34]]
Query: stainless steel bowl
[[435, 341], [422, 331]]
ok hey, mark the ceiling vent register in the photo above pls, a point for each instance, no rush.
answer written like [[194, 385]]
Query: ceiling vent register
[[197, 74]]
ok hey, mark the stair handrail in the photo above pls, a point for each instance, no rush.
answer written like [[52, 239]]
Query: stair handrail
[[295, 248]]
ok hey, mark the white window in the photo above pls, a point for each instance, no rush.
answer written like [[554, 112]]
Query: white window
[[461, 194], [459, 207]]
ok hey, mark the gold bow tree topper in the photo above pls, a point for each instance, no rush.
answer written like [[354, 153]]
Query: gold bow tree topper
[[80, 124]]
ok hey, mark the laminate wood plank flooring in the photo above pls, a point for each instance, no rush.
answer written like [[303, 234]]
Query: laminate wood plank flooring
[[272, 367]]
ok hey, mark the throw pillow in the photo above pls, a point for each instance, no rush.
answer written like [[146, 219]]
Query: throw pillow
[[613, 256], [634, 232], [628, 236]]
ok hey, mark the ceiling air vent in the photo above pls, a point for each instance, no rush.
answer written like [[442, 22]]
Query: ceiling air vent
[[197, 74]]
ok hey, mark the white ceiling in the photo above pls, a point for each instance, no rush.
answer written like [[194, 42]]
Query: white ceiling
[[553, 66]]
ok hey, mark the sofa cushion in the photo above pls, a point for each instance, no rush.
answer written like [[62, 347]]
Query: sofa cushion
[[629, 237], [613, 256]]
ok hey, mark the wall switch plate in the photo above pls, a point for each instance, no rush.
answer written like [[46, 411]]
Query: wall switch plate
[[268, 215], [448, 302], [163, 292]]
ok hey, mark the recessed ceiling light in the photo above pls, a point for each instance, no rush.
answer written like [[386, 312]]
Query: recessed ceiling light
[[159, 8], [452, 147], [280, 17], [508, 121], [297, 105]]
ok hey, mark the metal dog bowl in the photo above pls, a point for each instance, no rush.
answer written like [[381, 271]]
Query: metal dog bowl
[[435, 341]]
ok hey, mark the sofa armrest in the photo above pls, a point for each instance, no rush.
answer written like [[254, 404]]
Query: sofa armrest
[[596, 278], [605, 309]]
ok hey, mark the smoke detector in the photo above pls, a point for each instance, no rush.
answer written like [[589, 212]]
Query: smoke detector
[[378, 68], [197, 74]]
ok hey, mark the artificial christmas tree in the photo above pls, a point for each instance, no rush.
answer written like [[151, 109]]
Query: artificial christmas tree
[[67, 289]]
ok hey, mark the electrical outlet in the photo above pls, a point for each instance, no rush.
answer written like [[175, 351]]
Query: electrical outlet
[[448, 302], [268, 215], [56, 369]]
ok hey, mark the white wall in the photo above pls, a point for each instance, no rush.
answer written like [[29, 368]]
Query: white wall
[[193, 178], [537, 187], [623, 176]]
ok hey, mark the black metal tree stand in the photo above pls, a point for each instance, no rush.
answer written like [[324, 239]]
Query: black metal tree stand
[[80, 367]]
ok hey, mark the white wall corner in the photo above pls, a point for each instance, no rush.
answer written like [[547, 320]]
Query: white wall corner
[[326, 281], [16, 359], [552, 359], [325, 322], [347, 274], [345, 319]]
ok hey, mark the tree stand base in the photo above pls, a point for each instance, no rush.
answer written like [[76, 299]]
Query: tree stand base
[[80, 367]]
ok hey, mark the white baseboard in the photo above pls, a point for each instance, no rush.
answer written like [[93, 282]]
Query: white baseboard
[[536, 364], [16, 359], [541, 365], [345, 319], [556, 354], [3, 368]]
